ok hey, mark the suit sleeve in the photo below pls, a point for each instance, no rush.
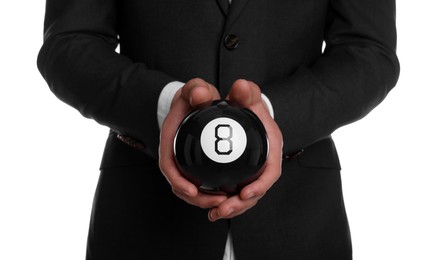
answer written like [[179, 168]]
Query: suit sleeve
[[354, 74], [79, 63]]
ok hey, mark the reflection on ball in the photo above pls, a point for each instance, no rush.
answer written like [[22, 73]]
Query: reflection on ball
[[221, 147]]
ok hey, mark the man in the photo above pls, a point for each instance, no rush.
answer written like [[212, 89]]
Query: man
[[175, 55]]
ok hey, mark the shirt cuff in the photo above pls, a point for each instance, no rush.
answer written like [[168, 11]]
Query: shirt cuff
[[268, 104], [165, 100]]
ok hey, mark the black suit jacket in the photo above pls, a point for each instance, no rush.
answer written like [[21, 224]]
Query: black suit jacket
[[279, 47]]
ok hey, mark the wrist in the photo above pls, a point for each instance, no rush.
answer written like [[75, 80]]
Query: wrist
[[166, 98]]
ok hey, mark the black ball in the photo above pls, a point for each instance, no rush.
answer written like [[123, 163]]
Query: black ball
[[221, 147]]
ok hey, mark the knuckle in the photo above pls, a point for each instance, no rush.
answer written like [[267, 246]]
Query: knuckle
[[259, 194], [204, 205], [262, 194], [176, 192], [195, 82], [224, 212], [163, 167]]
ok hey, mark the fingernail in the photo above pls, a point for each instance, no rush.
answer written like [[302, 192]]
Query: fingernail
[[211, 216]]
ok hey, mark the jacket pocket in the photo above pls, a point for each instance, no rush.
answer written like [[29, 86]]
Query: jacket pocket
[[321, 154], [119, 154]]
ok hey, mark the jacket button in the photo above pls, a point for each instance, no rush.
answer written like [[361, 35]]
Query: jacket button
[[231, 41]]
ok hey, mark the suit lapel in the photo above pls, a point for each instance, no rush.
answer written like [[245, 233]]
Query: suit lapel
[[235, 9], [224, 5]]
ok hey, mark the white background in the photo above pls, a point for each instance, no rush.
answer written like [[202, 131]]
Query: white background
[[49, 154]]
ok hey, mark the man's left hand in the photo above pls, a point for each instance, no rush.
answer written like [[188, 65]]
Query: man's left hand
[[247, 94]]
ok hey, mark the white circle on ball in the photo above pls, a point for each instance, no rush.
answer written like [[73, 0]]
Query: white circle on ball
[[223, 140]]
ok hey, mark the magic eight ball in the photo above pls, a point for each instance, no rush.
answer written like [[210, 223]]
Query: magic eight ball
[[221, 147]]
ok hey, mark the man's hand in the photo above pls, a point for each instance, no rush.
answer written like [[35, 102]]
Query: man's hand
[[247, 94], [194, 93]]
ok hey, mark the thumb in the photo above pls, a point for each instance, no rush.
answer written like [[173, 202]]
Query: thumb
[[245, 93]]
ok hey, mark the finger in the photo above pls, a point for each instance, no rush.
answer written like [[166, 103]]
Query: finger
[[272, 168], [212, 215], [202, 200], [230, 208], [260, 186], [198, 91], [245, 93], [249, 204], [178, 183], [166, 154], [240, 93], [202, 94], [170, 171], [186, 89]]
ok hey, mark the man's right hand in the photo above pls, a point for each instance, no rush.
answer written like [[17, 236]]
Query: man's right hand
[[194, 93]]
